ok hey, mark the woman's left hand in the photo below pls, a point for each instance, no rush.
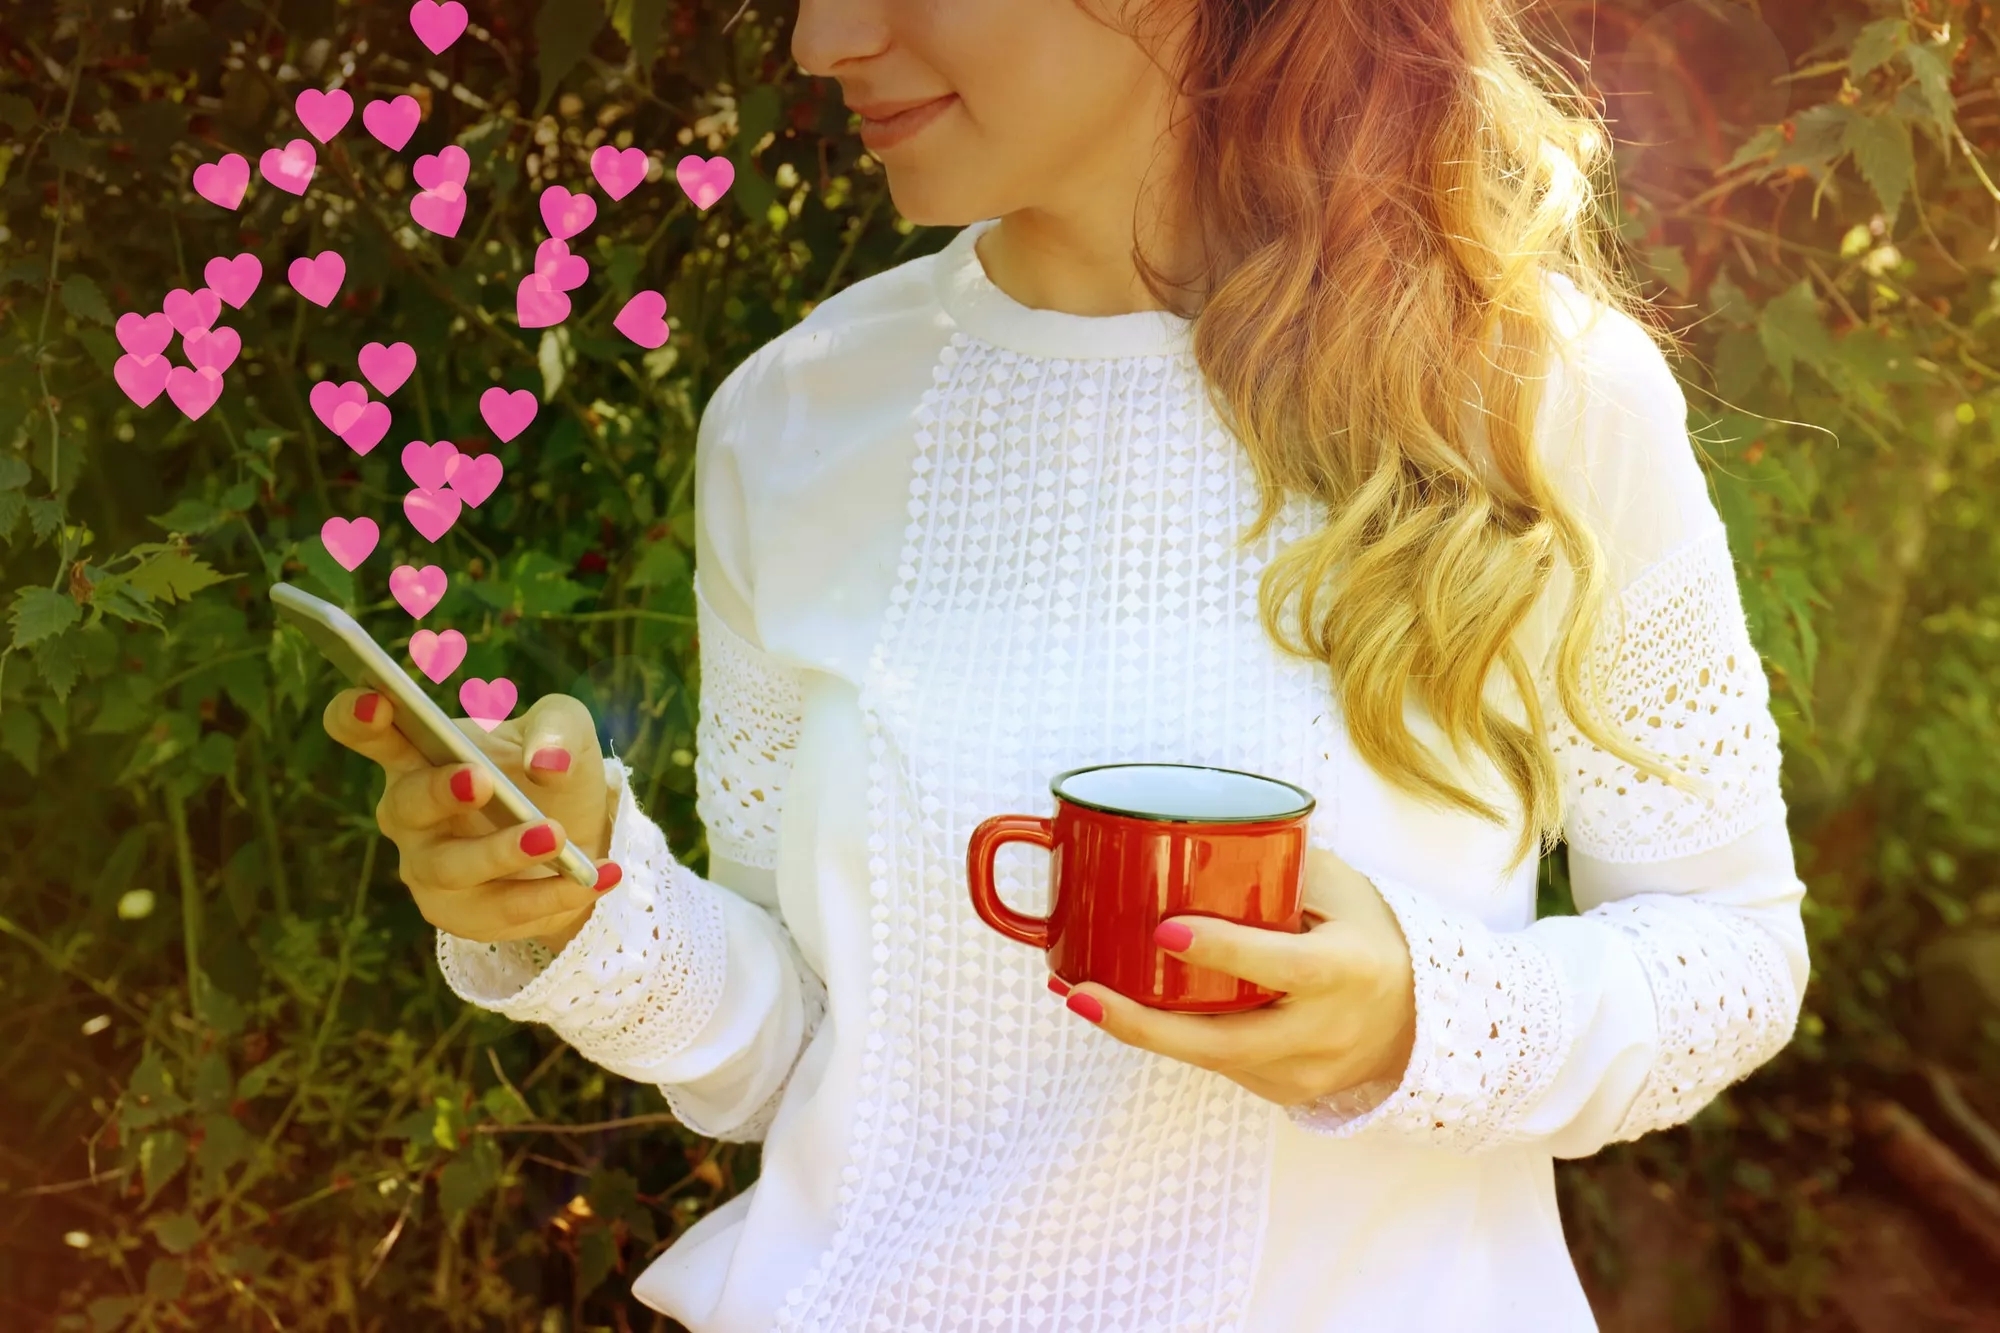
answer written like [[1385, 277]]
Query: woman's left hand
[[1348, 1016]]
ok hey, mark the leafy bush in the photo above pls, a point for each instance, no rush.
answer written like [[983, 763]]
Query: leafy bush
[[242, 1097]]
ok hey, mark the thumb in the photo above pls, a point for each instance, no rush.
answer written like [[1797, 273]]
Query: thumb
[[563, 763]]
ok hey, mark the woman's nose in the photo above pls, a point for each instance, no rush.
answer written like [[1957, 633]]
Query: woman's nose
[[833, 33]]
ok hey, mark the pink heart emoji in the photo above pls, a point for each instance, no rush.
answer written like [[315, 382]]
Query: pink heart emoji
[[366, 429], [431, 511], [566, 214], [430, 465], [448, 165], [392, 122], [565, 272], [194, 391], [643, 319], [328, 398], [323, 114], [192, 312], [318, 279], [143, 378], [705, 181], [234, 280], [222, 183], [476, 476], [214, 350], [488, 703], [537, 304], [289, 168], [437, 655], [508, 414], [437, 26], [620, 173], [388, 368], [440, 211], [145, 335], [349, 540], [417, 591]]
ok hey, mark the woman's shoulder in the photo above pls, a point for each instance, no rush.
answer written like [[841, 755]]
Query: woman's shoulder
[[865, 351], [864, 325]]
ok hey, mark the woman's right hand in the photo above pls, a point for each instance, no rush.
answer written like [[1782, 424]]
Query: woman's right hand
[[472, 876]]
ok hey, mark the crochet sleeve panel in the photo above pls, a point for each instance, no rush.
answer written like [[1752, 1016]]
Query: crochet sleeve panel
[[1686, 967]]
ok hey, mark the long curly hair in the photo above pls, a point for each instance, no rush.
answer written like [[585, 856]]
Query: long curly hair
[[1381, 189]]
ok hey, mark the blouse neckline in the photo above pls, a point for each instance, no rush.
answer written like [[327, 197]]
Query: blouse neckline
[[980, 308]]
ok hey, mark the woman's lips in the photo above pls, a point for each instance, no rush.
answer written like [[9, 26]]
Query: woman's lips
[[892, 130]]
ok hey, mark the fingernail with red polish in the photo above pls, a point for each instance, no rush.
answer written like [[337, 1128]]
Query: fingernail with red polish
[[608, 876], [1088, 1006], [551, 759], [461, 784], [539, 840], [1173, 936], [1058, 985], [364, 707]]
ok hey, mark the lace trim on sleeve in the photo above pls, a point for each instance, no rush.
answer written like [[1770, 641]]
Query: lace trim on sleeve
[[1491, 1028], [757, 1126], [639, 981], [1691, 680], [744, 739], [1723, 993]]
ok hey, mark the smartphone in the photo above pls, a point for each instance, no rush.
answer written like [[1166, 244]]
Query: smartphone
[[436, 736]]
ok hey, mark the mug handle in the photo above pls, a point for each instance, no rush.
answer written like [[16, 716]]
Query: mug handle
[[979, 854]]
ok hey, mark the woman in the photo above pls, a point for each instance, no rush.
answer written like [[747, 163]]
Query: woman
[[976, 520]]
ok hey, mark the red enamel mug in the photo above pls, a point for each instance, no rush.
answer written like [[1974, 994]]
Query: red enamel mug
[[1131, 845]]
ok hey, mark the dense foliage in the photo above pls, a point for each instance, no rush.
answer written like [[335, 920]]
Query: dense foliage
[[238, 1093]]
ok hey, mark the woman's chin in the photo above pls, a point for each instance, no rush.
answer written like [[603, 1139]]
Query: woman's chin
[[928, 201]]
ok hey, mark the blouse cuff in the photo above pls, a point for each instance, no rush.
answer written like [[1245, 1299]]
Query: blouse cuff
[[641, 978], [1490, 1030]]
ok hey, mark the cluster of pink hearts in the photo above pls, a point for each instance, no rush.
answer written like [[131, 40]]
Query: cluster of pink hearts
[[444, 479]]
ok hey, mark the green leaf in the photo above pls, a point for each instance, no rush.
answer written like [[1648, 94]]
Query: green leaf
[[564, 30], [596, 1256], [42, 613], [1882, 150], [1791, 331], [45, 516], [18, 112], [161, 1157], [1670, 264], [109, 1313], [468, 1177], [1817, 136], [81, 298], [1875, 45], [175, 575], [14, 472], [225, 1143], [1767, 141], [756, 116], [176, 1232], [166, 1279], [661, 564], [13, 504], [190, 517], [21, 736], [554, 357], [319, 563], [59, 659], [644, 35], [1933, 75], [1739, 363]]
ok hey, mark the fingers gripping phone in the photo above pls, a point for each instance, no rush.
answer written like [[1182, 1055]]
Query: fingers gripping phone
[[436, 737]]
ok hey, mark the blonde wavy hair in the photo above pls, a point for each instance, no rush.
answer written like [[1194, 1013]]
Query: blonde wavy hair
[[1381, 187]]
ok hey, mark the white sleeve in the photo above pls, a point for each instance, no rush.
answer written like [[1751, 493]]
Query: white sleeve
[[1687, 966], [692, 984]]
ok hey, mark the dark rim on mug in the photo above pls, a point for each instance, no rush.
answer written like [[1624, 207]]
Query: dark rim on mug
[[1307, 799]]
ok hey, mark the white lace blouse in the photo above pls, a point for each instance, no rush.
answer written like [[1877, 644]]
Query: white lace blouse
[[948, 546]]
